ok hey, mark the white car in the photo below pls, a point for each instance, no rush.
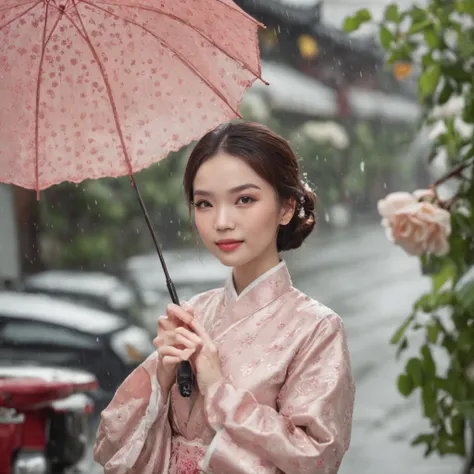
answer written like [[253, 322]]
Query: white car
[[49, 331]]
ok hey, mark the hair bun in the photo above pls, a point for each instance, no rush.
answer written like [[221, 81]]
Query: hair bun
[[301, 225]]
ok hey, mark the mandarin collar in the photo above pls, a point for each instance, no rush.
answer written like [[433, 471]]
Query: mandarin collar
[[262, 291]]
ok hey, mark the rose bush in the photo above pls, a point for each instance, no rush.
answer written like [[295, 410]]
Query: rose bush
[[437, 44]]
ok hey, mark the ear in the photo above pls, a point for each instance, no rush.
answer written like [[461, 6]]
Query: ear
[[287, 211]]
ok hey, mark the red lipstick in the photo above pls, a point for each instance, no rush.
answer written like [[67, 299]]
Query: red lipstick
[[228, 245]]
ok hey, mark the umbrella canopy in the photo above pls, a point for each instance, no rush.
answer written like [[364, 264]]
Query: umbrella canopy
[[96, 88], [104, 88]]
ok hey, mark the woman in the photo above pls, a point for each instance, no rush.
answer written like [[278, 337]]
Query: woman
[[274, 387]]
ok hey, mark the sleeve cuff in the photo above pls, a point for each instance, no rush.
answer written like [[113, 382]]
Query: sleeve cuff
[[212, 406]]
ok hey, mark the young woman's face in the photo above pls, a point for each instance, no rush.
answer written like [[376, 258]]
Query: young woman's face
[[237, 213]]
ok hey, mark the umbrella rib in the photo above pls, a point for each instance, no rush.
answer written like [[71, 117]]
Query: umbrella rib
[[9, 7], [181, 58], [20, 14], [38, 97], [180, 20], [86, 38]]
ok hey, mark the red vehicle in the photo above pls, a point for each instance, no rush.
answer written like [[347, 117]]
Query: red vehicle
[[43, 419]]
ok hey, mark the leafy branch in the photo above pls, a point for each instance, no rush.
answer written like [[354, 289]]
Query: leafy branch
[[436, 45]]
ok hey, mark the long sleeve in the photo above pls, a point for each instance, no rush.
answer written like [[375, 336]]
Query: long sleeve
[[311, 430], [134, 434]]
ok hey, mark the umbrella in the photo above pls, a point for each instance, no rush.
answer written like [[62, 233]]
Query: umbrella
[[105, 88]]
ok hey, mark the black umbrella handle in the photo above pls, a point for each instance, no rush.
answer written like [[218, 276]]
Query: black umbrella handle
[[184, 374]]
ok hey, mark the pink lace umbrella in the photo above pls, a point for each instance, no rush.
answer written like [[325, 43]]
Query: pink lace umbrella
[[96, 88]]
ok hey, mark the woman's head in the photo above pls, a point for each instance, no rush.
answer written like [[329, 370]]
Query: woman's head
[[243, 182]]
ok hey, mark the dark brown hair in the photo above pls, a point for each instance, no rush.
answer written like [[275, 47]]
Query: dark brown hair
[[270, 156]]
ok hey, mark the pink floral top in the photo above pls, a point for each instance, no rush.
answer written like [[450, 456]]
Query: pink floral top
[[285, 405]]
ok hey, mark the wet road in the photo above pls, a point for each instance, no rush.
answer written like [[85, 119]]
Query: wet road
[[372, 285]]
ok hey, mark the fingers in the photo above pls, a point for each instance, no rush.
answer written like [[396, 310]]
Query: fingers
[[178, 355], [175, 311], [189, 309], [183, 334], [170, 360], [202, 333], [165, 324]]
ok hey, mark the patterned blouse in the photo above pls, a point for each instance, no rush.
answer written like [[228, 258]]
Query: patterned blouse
[[285, 404]]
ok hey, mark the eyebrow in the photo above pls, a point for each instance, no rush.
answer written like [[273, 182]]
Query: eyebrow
[[237, 189]]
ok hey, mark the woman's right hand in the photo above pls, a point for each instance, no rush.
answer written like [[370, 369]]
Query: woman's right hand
[[170, 351]]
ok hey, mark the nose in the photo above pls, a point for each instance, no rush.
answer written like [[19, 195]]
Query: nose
[[224, 220]]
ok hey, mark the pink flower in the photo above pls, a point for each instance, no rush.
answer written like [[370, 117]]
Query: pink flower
[[419, 227], [394, 202]]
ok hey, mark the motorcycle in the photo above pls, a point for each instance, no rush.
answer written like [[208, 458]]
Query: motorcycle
[[43, 419]]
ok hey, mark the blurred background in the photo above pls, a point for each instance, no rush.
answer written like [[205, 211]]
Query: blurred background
[[82, 286]]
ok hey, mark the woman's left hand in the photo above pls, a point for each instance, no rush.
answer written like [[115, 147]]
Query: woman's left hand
[[205, 360]]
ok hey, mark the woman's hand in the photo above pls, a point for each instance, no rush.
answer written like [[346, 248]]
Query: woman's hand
[[205, 358], [170, 351]]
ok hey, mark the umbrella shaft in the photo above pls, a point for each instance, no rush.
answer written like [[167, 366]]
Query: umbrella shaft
[[184, 374], [169, 283]]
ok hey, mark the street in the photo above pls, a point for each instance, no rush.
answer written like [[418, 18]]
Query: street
[[372, 285]]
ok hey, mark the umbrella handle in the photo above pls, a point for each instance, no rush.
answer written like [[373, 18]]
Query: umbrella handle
[[184, 374]]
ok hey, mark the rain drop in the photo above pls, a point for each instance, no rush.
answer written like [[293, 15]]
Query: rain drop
[[326, 216], [362, 166]]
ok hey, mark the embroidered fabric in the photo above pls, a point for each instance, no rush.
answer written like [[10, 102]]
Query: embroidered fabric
[[285, 404]]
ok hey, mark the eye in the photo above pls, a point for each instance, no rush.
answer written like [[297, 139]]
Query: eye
[[201, 204], [245, 200]]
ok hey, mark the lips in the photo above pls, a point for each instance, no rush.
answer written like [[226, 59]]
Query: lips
[[229, 245]]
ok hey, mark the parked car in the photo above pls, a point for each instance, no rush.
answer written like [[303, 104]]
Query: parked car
[[53, 332], [192, 272], [95, 289], [43, 418]]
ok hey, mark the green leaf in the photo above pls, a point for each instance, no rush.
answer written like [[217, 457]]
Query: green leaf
[[418, 14], [401, 53], [447, 273], [433, 301], [442, 384], [466, 296], [401, 330], [427, 60], [414, 368], [386, 37], [426, 438], [420, 26], [428, 362], [429, 79], [354, 22], [405, 385], [392, 14], [428, 397], [449, 343], [432, 332], [445, 93], [465, 6], [401, 348], [431, 37], [458, 423], [466, 408], [457, 72]]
